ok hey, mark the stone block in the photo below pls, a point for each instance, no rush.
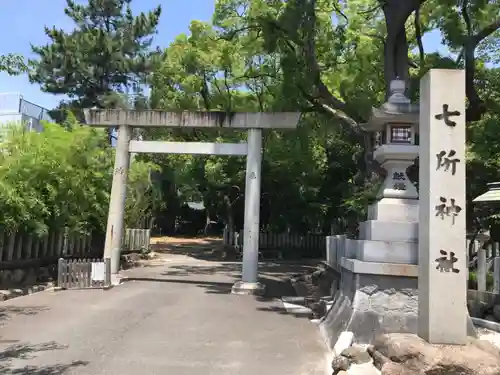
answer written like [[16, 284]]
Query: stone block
[[388, 231], [370, 305], [392, 209], [350, 248], [386, 251]]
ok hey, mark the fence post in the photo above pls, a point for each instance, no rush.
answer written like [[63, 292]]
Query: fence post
[[11, 244], [147, 238], [28, 248], [107, 272], [3, 246], [482, 270], [496, 275], [60, 273]]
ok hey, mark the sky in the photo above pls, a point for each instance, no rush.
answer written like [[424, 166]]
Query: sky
[[22, 23]]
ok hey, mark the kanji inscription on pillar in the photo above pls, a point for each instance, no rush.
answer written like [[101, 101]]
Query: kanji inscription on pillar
[[447, 208], [443, 314], [446, 115], [447, 160], [446, 262]]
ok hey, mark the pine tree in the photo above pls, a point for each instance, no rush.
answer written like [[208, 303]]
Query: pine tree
[[12, 64], [108, 52]]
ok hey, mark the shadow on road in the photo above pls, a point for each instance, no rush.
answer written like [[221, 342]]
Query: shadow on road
[[273, 275], [28, 351], [211, 287], [8, 311]]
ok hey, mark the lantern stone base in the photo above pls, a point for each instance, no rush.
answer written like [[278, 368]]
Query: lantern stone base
[[374, 298], [394, 209]]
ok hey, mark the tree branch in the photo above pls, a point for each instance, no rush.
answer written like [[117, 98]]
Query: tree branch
[[476, 107], [332, 104], [418, 36], [465, 16], [486, 32]]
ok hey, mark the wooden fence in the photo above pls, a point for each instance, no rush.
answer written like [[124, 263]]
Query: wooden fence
[[137, 239], [84, 273], [307, 246], [17, 249]]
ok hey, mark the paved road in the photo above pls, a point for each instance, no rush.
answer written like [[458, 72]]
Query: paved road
[[180, 320]]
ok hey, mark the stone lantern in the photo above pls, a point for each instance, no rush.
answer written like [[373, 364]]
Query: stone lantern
[[396, 126], [379, 270]]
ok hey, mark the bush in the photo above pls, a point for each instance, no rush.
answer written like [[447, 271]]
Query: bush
[[62, 177]]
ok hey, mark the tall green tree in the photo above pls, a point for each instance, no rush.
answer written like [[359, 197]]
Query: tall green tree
[[108, 51]]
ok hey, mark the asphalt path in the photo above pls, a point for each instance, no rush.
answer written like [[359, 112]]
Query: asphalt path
[[176, 318]]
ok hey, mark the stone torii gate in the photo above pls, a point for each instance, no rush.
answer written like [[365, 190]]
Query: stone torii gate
[[254, 122]]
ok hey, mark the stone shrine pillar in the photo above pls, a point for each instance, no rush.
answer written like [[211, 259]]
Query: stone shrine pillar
[[442, 314]]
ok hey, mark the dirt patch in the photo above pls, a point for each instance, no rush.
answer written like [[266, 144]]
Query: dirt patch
[[205, 248]]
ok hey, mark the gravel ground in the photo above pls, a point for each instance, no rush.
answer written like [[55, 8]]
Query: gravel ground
[[488, 335]]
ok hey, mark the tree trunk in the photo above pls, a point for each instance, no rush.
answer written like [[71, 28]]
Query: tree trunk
[[396, 61], [229, 218]]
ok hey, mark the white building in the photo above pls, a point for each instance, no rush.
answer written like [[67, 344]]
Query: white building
[[14, 108]]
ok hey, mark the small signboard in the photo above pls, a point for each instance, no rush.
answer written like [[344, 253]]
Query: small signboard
[[98, 271]]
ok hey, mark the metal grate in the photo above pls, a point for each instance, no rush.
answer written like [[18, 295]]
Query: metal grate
[[401, 134]]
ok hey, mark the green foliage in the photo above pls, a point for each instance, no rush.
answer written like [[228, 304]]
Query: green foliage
[[323, 58], [108, 51], [61, 177], [12, 64], [53, 179], [143, 196]]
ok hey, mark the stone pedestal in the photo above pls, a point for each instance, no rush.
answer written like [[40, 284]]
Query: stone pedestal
[[379, 287]]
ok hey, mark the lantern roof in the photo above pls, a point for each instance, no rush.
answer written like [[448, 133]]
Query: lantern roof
[[398, 110], [492, 195]]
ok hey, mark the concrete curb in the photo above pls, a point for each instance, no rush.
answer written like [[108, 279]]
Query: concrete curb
[[494, 326]]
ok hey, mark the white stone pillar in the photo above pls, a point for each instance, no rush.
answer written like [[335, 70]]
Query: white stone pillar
[[115, 226], [442, 290], [249, 284]]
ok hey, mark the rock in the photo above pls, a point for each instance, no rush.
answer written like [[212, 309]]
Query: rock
[[478, 309], [43, 275], [17, 292], [490, 317], [30, 278], [18, 276], [318, 309], [340, 363], [379, 360], [496, 312], [6, 277], [5, 295], [393, 368], [408, 354], [356, 355], [315, 276], [130, 260]]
